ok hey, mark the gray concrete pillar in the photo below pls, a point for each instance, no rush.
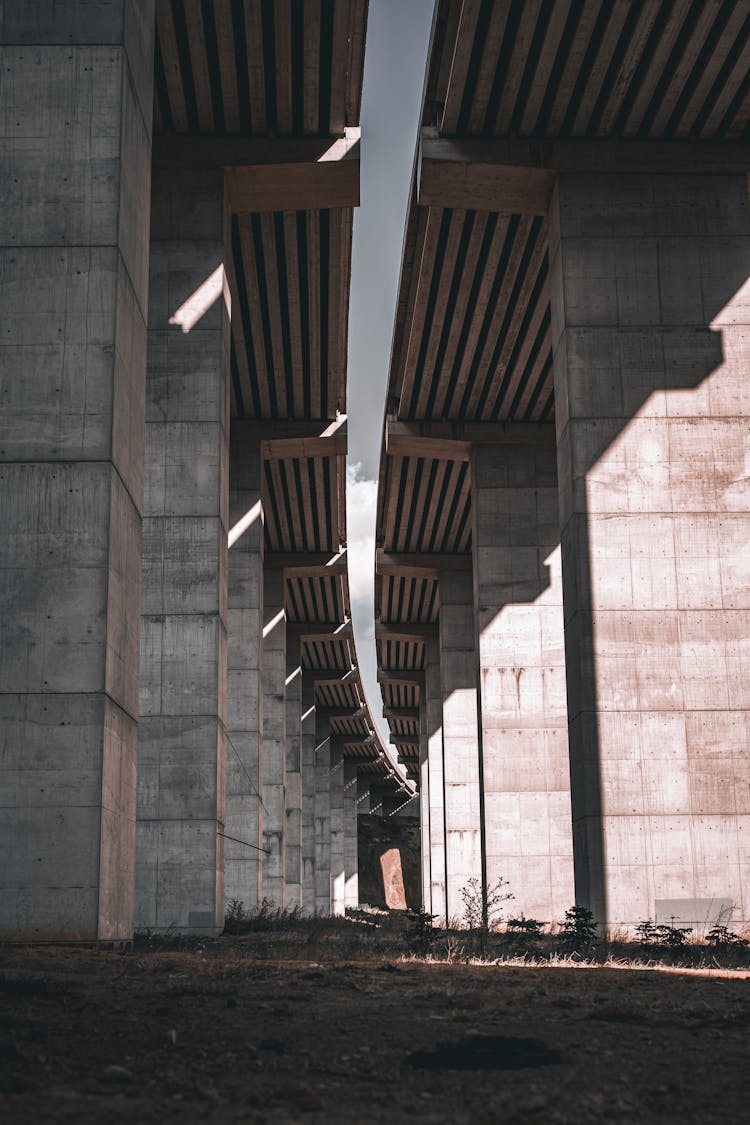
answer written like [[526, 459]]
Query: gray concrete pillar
[[181, 745], [76, 141], [244, 766], [461, 770], [274, 738], [307, 766], [433, 693], [364, 797], [293, 782], [351, 867], [338, 869], [650, 335], [424, 805], [322, 817], [522, 703]]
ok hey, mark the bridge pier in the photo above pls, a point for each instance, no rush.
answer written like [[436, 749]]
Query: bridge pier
[[273, 879], [523, 727], [179, 855], [322, 810], [307, 765], [351, 888], [293, 777], [650, 316], [244, 756], [434, 717], [461, 763], [73, 288]]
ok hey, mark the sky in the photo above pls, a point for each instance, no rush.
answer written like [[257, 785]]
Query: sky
[[398, 34]]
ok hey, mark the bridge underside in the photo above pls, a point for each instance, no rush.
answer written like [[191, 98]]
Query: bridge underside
[[562, 577]]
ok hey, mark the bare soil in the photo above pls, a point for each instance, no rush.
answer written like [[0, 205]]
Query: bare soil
[[312, 1024]]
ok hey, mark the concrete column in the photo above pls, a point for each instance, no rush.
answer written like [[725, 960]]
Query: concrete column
[[181, 746], [322, 816], [364, 799], [461, 769], [274, 738], [433, 693], [75, 169], [351, 867], [293, 782], [424, 805], [522, 704], [338, 869], [650, 334], [244, 770], [307, 816]]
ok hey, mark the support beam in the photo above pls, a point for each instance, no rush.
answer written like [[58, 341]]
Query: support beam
[[294, 448], [517, 177], [405, 634], [394, 564]]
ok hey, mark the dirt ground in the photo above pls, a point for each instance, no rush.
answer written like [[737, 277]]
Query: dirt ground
[[290, 1028]]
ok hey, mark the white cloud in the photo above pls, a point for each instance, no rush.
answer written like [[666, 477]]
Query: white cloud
[[361, 501]]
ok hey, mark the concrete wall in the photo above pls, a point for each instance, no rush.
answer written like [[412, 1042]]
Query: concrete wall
[[181, 744], [307, 765], [293, 780], [322, 816], [274, 738], [461, 776], [351, 887], [650, 316], [75, 159], [520, 647], [244, 766], [434, 717], [338, 865]]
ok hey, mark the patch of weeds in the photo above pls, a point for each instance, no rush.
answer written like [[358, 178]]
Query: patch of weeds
[[724, 938], [420, 938], [528, 927]]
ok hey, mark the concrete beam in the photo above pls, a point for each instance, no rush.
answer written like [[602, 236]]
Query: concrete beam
[[407, 634], [308, 632], [404, 565], [411, 678], [285, 448], [401, 712], [453, 441], [517, 177]]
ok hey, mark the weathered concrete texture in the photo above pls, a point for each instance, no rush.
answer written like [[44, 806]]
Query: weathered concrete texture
[[338, 868], [520, 643], [461, 777], [75, 158], [293, 783], [322, 816], [307, 766], [273, 880], [351, 887], [181, 744], [424, 805], [434, 718], [650, 330], [244, 767]]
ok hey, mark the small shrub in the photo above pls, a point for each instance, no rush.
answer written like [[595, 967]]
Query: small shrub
[[235, 916], [421, 937], [480, 913], [647, 932], [723, 937], [579, 929], [530, 927], [672, 937]]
